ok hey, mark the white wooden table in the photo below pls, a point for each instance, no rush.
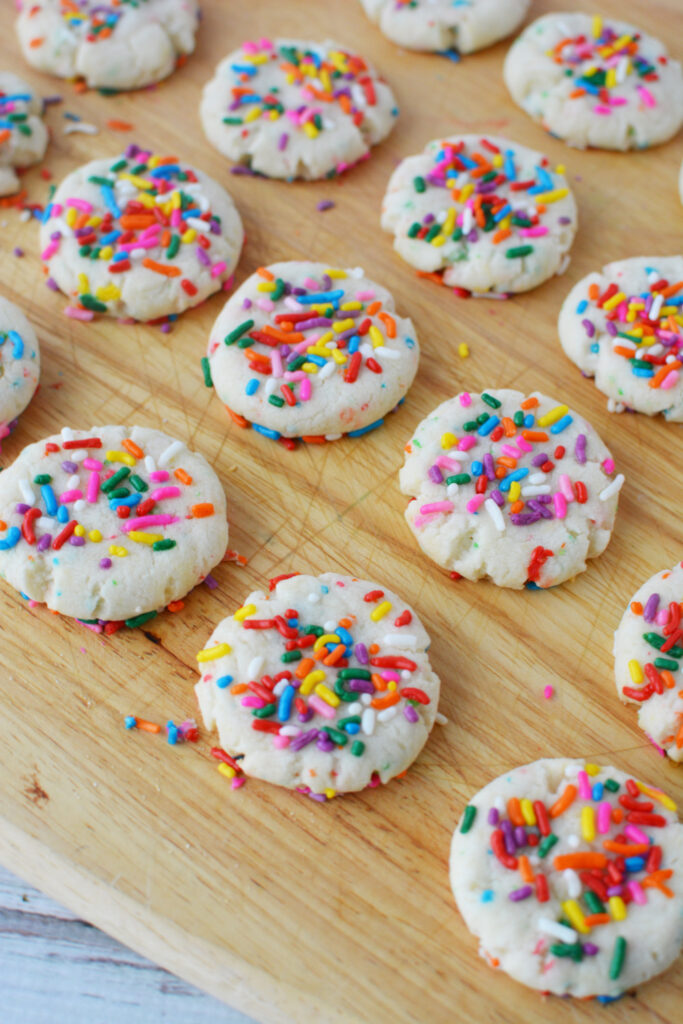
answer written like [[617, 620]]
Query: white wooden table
[[57, 969]]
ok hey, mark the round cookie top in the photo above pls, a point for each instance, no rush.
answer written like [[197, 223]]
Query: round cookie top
[[445, 26], [570, 875], [624, 326], [483, 214], [119, 44], [303, 349], [140, 235], [23, 136], [648, 647], [292, 109], [595, 82], [323, 683], [512, 487], [110, 524], [19, 363]]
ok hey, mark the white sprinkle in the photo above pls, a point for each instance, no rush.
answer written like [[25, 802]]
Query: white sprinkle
[[539, 489], [573, 841], [79, 505], [288, 730], [467, 219], [499, 804], [196, 223], [173, 449], [400, 640], [564, 264], [622, 70], [554, 928], [387, 353], [73, 482], [137, 254], [366, 699], [329, 626], [495, 514], [313, 597], [440, 719], [612, 488], [327, 370], [452, 490], [367, 722], [366, 350], [355, 708], [573, 883], [536, 478], [79, 455], [150, 464], [333, 437], [80, 127], [387, 714], [25, 215], [357, 272], [67, 434], [279, 687], [656, 307], [271, 385], [26, 492], [255, 666]]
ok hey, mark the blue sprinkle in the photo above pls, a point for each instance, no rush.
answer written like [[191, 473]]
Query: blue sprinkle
[[223, 682], [477, 468], [318, 360], [172, 733], [529, 420], [562, 424], [17, 344], [129, 722], [11, 538], [582, 306], [48, 496], [365, 430], [284, 707], [310, 300], [451, 54], [131, 501], [634, 863], [352, 728], [252, 386], [273, 434], [410, 342], [486, 428], [487, 896], [244, 69], [595, 347], [502, 213], [109, 201], [354, 344], [597, 791], [63, 514], [640, 371], [530, 585], [509, 165]]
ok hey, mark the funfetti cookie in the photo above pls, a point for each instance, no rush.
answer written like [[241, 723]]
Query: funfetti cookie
[[511, 487], [571, 877], [119, 44], [140, 235], [292, 109], [624, 326], [307, 350], [445, 26], [23, 136], [110, 524], [648, 647], [19, 364], [322, 683], [596, 82], [481, 214]]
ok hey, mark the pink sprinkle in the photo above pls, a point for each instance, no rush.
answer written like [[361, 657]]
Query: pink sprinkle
[[93, 464], [635, 834], [584, 785], [548, 691], [93, 487], [670, 379], [566, 487], [437, 506], [80, 204], [602, 110], [608, 465], [68, 496], [79, 314], [321, 707], [465, 443], [604, 816], [305, 389], [158, 475], [465, 399], [252, 701], [522, 443], [646, 96], [366, 296], [535, 232], [617, 101], [637, 892], [444, 460], [276, 363], [140, 522], [474, 503], [560, 503], [392, 677], [219, 268], [267, 305], [165, 492], [176, 219], [281, 741], [49, 250], [238, 782]]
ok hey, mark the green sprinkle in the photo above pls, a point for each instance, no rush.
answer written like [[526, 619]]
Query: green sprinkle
[[245, 342], [350, 720], [140, 620], [90, 302], [483, 417], [348, 696], [163, 545], [420, 184], [594, 903], [433, 232], [118, 166], [336, 735], [42, 478], [414, 229], [672, 666], [655, 640], [276, 400], [296, 363], [459, 478], [468, 818], [617, 958], [612, 785], [518, 418], [84, 250], [206, 370], [457, 235], [354, 673], [291, 656], [518, 251], [233, 120], [546, 845], [115, 480], [119, 492], [470, 426], [573, 950], [315, 630], [25, 129], [278, 291], [490, 400], [265, 712], [173, 247], [97, 180], [231, 338], [357, 748], [138, 483]]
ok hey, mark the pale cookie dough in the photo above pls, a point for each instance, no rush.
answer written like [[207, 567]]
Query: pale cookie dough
[[112, 45], [275, 687], [302, 349], [110, 524], [596, 83], [624, 326], [680, 183], [484, 214], [571, 877], [510, 487], [19, 364], [442, 25], [23, 136], [140, 235], [648, 647], [292, 109]]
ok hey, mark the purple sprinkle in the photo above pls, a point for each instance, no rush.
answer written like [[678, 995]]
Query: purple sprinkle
[[614, 890], [545, 499], [22, 508], [210, 582], [498, 498], [520, 835], [247, 304], [580, 449], [326, 745], [325, 204], [524, 518], [590, 949], [282, 141], [651, 606], [50, 101], [105, 563], [70, 467], [305, 716], [611, 328], [320, 797], [410, 713], [493, 816], [564, 220], [538, 460], [435, 474], [473, 235], [510, 844], [242, 169], [317, 321], [427, 219], [44, 542], [520, 894], [303, 739], [77, 542], [360, 685], [589, 327], [489, 467], [202, 257], [361, 652], [166, 328], [18, 252], [541, 509], [55, 236], [52, 284]]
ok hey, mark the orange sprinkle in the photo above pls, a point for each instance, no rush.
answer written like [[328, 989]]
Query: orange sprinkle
[[621, 350], [236, 418], [304, 667], [146, 726], [238, 688], [507, 460], [525, 869], [181, 475], [175, 606], [373, 649], [133, 221], [118, 126], [627, 849], [529, 403], [345, 623], [516, 507], [667, 678], [575, 93], [312, 438], [5, 135], [38, 41], [389, 323], [3, 524], [500, 473], [202, 510], [533, 435], [374, 307], [591, 920], [671, 289], [437, 278], [582, 860], [663, 372], [515, 811], [166, 239], [501, 235], [133, 448], [386, 702], [617, 815], [509, 426], [264, 272], [636, 608], [563, 802], [159, 268], [594, 291], [679, 737], [378, 682], [80, 87], [335, 655]]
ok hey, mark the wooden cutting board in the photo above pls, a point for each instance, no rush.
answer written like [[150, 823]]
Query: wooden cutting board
[[288, 909]]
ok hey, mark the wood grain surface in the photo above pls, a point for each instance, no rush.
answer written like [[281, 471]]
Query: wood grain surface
[[285, 908]]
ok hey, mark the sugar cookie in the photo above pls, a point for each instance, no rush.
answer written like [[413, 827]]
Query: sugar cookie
[[19, 364], [444, 25], [23, 136]]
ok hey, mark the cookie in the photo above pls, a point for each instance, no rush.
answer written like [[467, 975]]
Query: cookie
[[114, 45], [648, 647], [110, 524], [23, 136], [304, 350], [292, 109], [571, 877], [483, 214], [323, 683], [140, 235], [19, 364], [624, 326], [510, 487], [445, 26], [595, 82]]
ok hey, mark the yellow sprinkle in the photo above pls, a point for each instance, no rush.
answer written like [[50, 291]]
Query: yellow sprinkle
[[466, 191], [592, 769], [515, 491], [256, 58], [553, 416], [449, 223], [463, 350], [325, 80], [588, 823], [343, 325], [552, 197], [70, 216], [439, 240], [376, 336], [636, 671], [153, 161], [176, 200], [560, 169], [309, 367], [324, 338], [497, 160], [339, 357], [325, 639], [311, 680], [274, 115], [108, 292], [114, 456], [95, 536], [79, 530], [448, 440], [83, 283], [335, 272], [140, 537], [330, 793], [139, 182], [243, 612], [617, 908], [355, 304], [657, 794], [119, 552], [310, 129], [189, 235], [214, 653], [597, 26], [226, 770], [391, 685], [327, 695], [614, 301], [610, 79], [149, 202], [253, 114], [575, 915], [380, 611], [106, 252], [528, 812]]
